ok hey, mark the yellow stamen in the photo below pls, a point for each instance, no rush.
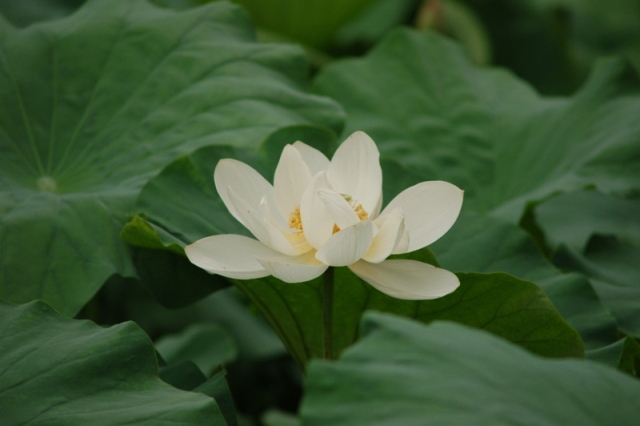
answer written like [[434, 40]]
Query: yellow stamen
[[295, 221], [361, 212]]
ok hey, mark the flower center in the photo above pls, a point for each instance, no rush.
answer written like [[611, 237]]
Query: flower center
[[295, 221], [357, 207]]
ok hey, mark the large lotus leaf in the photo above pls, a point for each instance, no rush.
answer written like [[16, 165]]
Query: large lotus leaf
[[512, 308], [623, 354], [186, 375], [481, 243], [404, 373], [611, 264], [95, 104], [206, 345], [613, 268], [420, 98], [599, 214], [59, 371]]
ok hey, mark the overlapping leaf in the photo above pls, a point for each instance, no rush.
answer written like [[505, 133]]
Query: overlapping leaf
[[431, 110], [599, 214], [404, 373], [95, 104], [613, 269], [603, 245], [506, 146], [623, 354], [514, 309], [206, 345], [507, 248], [55, 371]]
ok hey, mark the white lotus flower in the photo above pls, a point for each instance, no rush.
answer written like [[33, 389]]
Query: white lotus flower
[[320, 213]]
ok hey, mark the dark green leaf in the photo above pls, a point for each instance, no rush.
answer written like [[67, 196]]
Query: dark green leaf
[[573, 218], [253, 336], [183, 375], [613, 269], [95, 104], [217, 388], [25, 12], [442, 118], [623, 354], [481, 243], [514, 309], [428, 108], [280, 418], [59, 371], [166, 275], [206, 345], [403, 373]]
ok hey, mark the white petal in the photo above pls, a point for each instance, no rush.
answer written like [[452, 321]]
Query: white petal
[[348, 245], [390, 231], [245, 182], [296, 239], [272, 215], [376, 210], [403, 244], [291, 178], [339, 209], [231, 256], [294, 269], [407, 279], [430, 209], [316, 161], [317, 223], [355, 171], [254, 220]]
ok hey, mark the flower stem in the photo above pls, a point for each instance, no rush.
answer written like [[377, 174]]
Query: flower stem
[[327, 312]]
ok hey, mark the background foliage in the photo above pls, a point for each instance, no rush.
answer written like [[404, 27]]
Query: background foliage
[[114, 113]]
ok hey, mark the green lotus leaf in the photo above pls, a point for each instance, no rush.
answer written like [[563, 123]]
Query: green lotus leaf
[[613, 268], [442, 118], [95, 104], [59, 371], [515, 309], [206, 345], [405, 373], [481, 243], [599, 214], [623, 354], [430, 109]]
